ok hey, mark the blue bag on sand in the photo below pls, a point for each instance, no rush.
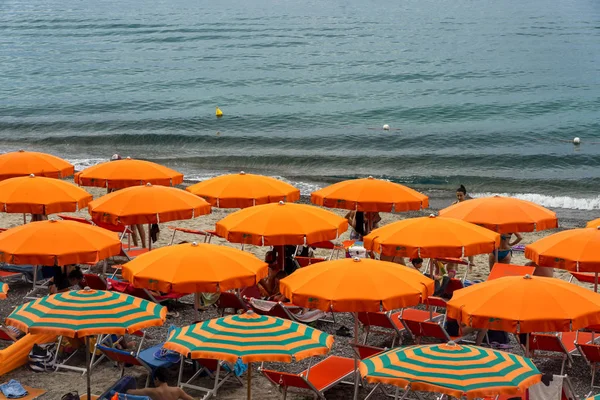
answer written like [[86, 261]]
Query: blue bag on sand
[[238, 368], [13, 390]]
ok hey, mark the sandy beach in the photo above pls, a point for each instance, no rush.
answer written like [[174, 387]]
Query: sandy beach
[[59, 383]]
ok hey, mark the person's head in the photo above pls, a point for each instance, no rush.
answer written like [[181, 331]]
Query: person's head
[[461, 193], [417, 262], [270, 257], [75, 276], [115, 157], [161, 375]]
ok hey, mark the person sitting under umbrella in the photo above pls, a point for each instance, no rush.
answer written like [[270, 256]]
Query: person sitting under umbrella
[[161, 391]]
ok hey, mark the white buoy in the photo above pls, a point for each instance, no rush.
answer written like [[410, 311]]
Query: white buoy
[[576, 141], [386, 127]]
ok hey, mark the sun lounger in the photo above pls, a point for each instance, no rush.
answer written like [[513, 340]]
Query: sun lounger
[[500, 270], [591, 354], [316, 380], [390, 323], [112, 341], [421, 324], [364, 351], [587, 277], [126, 287], [145, 358], [207, 235], [230, 301], [281, 310], [220, 371], [95, 282]]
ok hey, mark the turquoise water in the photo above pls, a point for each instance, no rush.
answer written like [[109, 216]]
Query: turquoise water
[[489, 94]]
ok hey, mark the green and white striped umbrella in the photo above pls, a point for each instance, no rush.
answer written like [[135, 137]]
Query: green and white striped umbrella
[[452, 369]]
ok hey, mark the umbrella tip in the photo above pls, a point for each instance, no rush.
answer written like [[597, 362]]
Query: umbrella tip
[[148, 184], [242, 173], [21, 151], [32, 175], [370, 177], [527, 276], [356, 259], [451, 343], [128, 158], [87, 289], [194, 244], [431, 215], [281, 202]]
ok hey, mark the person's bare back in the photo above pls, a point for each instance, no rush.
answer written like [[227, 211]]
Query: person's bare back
[[162, 391]]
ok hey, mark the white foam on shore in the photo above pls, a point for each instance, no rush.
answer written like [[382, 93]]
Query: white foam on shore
[[83, 163], [572, 203]]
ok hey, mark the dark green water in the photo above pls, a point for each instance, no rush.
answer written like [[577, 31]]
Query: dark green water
[[489, 93]]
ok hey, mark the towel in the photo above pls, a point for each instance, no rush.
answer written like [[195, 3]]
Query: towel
[[547, 390], [13, 390]]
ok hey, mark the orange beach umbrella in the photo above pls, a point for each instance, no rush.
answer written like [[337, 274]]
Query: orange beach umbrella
[[23, 163], [57, 243], [124, 173], [244, 190], [37, 195], [281, 224], [147, 205], [503, 214], [524, 304], [593, 224], [194, 268], [356, 285], [370, 194], [571, 250], [431, 237]]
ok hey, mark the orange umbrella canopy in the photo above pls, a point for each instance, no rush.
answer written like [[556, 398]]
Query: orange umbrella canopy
[[124, 173], [195, 268], [244, 190], [526, 304], [431, 237], [572, 250], [37, 195], [593, 224], [147, 205], [57, 243], [370, 194], [23, 163], [356, 285], [280, 224], [503, 214]]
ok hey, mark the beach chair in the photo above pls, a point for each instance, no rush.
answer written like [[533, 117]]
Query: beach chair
[[421, 324], [388, 324], [285, 311], [591, 354], [109, 341], [363, 352], [551, 343], [7, 335], [219, 371], [230, 301], [499, 270], [302, 262], [586, 277], [453, 285], [145, 358], [95, 282], [315, 380], [126, 287], [206, 235]]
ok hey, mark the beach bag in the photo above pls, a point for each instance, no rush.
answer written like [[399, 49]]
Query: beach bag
[[41, 357]]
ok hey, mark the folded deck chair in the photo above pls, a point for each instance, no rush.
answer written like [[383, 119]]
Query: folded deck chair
[[126, 287], [220, 371], [147, 359], [285, 311], [388, 323], [499, 270], [316, 380], [206, 235], [230, 301]]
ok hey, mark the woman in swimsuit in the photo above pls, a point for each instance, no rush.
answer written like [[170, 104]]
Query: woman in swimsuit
[[505, 249]]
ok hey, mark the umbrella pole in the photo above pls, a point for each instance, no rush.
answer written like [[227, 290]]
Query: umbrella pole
[[282, 257], [196, 305], [249, 384], [355, 356], [24, 218], [149, 237], [527, 345], [596, 282], [87, 366]]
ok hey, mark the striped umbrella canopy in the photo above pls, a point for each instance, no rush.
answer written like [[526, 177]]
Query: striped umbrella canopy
[[3, 290], [596, 397], [81, 313], [249, 337], [452, 369]]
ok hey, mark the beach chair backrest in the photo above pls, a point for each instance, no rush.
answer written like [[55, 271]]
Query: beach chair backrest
[[230, 300], [76, 219], [434, 330], [378, 319], [306, 261], [365, 351], [119, 356], [6, 335], [453, 285], [414, 327], [95, 282], [591, 352], [207, 363], [545, 342], [287, 380], [434, 301]]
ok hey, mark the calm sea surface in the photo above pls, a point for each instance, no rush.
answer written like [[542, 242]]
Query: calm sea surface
[[485, 93]]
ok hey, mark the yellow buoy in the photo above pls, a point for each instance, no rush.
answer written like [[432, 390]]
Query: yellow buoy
[[219, 113]]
